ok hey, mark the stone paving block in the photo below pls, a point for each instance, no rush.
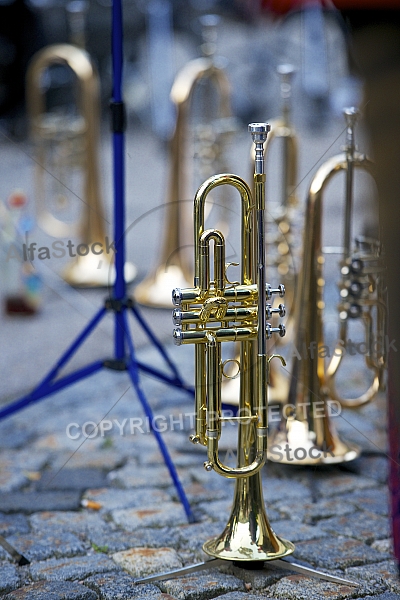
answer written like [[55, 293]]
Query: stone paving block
[[121, 586], [276, 490], [198, 492], [312, 512], [259, 579], [72, 479], [383, 573], [192, 537], [12, 437], [383, 546], [338, 552], [78, 567], [116, 541], [298, 587], [10, 524], [373, 500], [335, 483], [297, 532], [9, 577], [169, 513], [30, 502], [133, 476], [40, 545], [244, 596], [81, 522], [63, 590], [384, 596], [140, 562], [220, 510], [375, 467], [111, 499], [364, 526], [98, 458], [11, 480], [202, 586]]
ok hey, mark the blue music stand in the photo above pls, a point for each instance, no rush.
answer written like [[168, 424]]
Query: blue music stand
[[118, 302]]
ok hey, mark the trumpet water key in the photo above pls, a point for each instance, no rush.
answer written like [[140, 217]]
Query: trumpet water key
[[306, 428], [210, 312]]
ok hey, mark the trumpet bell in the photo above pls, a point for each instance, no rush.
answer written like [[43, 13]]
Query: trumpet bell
[[248, 536]]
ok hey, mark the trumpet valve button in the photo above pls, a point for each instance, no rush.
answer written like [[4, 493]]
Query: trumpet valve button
[[177, 316], [195, 439], [208, 465], [177, 297], [177, 335]]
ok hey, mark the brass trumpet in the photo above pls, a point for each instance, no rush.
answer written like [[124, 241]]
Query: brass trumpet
[[66, 147], [308, 430], [174, 266], [214, 311]]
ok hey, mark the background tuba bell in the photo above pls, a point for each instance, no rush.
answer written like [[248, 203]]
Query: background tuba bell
[[66, 143], [306, 427], [204, 78], [214, 311]]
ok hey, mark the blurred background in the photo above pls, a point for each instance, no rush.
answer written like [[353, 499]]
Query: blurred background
[[248, 42]]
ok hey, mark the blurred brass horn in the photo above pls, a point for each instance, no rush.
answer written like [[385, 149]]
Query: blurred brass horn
[[66, 147], [307, 429], [174, 265]]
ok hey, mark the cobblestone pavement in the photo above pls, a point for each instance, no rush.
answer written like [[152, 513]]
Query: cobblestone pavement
[[337, 517]]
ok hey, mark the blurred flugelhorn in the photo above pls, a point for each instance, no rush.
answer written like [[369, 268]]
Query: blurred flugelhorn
[[66, 142], [214, 311], [306, 427], [174, 265]]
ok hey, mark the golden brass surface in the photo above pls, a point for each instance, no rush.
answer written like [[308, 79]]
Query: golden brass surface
[[204, 319], [174, 266], [306, 428]]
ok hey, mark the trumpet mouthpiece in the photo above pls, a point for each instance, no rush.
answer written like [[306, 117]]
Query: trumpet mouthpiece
[[259, 131]]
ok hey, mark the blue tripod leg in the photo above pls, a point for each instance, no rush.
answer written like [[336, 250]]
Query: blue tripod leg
[[134, 375]]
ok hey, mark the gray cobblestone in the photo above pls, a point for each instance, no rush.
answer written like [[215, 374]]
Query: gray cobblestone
[[133, 476], [298, 532], [79, 567], [363, 526], [72, 479], [53, 591], [338, 552], [76, 522], [30, 502], [374, 467], [111, 499], [9, 577], [10, 524], [40, 545], [121, 586], [297, 587], [259, 579], [150, 516], [334, 483], [201, 587], [146, 561], [374, 500], [115, 541], [312, 512], [383, 573]]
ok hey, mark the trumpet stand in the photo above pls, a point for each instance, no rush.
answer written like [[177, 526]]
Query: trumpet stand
[[248, 540], [124, 358]]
